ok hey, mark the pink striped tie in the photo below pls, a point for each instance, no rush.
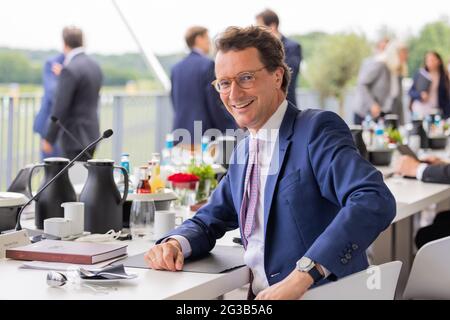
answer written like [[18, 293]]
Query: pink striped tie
[[251, 191]]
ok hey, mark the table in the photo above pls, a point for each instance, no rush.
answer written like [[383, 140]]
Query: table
[[412, 196], [150, 284]]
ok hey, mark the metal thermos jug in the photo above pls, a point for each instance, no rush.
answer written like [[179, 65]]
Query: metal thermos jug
[[48, 203], [102, 200]]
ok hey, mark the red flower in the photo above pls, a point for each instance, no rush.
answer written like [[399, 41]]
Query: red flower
[[183, 177], [184, 181]]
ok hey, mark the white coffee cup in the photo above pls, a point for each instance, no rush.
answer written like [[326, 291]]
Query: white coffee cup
[[164, 222], [59, 227], [74, 212]]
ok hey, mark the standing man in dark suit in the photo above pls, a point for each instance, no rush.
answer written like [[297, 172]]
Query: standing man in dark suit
[[307, 204], [193, 97], [292, 49], [76, 99], [51, 72]]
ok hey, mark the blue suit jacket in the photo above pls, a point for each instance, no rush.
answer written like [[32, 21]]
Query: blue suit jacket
[[49, 82], [293, 53], [325, 202], [194, 98]]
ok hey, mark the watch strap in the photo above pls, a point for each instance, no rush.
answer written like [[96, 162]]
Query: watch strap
[[315, 274]]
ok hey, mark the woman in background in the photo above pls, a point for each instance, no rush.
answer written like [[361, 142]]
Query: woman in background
[[437, 98]]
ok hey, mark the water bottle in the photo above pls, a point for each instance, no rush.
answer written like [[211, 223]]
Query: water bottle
[[438, 125], [125, 162], [367, 131], [380, 141], [168, 166], [167, 152]]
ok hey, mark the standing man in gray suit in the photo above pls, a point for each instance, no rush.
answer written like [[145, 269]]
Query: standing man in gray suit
[[373, 88], [76, 99], [379, 88]]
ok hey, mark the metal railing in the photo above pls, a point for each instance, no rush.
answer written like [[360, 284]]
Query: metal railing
[[139, 122]]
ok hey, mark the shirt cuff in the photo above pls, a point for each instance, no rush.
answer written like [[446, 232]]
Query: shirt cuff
[[420, 169], [326, 272], [184, 243]]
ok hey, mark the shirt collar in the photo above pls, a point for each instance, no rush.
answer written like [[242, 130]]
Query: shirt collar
[[72, 54], [199, 51], [269, 131]]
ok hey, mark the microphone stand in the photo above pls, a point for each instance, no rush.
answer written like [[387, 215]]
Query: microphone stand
[[105, 134], [71, 136]]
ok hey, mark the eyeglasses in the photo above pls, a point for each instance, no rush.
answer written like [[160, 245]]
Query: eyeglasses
[[245, 80]]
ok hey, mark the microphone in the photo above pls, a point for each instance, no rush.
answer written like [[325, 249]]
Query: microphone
[[59, 124], [108, 133]]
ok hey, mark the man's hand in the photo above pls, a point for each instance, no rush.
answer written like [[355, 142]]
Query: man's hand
[[407, 166], [46, 146], [56, 68], [165, 256], [375, 110], [293, 287], [433, 160]]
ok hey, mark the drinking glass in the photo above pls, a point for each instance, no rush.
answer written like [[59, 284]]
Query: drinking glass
[[142, 219]]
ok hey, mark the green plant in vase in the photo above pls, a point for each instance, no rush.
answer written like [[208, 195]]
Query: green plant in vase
[[207, 179], [394, 136]]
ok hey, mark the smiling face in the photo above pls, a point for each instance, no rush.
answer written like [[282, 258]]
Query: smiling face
[[250, 108]]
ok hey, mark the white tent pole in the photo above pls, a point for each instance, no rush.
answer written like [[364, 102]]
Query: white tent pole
[[146, 51]]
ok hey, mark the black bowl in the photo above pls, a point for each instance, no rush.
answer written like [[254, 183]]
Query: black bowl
[[8, 217], [380, 157], [438, 142]]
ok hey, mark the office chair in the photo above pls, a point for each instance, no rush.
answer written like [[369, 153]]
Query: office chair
[[375, 283], [430, 273]]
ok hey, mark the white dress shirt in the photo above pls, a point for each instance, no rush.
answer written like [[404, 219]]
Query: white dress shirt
[[72, 53], [254, 255]]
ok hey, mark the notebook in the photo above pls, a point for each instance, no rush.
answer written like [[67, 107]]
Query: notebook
[[220, 259], [67, 252], [423, 81]]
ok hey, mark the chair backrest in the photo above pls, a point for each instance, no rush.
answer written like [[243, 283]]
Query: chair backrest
[[375, 283], [430, 273]]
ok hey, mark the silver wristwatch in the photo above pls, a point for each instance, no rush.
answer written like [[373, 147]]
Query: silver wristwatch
[[305, 264]]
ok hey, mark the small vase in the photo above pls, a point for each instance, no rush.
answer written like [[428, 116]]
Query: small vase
[[186, 192]]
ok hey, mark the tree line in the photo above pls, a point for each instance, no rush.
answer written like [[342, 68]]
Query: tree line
[[331, 61]]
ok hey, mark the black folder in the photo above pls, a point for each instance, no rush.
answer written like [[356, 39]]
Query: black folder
[[423, 82], [219, 260]]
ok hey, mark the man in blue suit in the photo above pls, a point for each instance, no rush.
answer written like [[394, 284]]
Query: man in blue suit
[[307, 204], [52, 69], [292, 50], [193, 97]]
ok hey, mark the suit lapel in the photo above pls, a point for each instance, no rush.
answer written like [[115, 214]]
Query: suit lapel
[[283, 143]]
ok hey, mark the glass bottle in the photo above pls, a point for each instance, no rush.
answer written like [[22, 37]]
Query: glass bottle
[[156, 183], [125, 162], [143, 185]]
